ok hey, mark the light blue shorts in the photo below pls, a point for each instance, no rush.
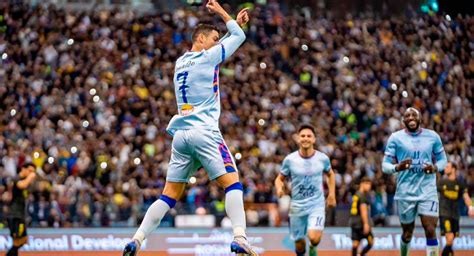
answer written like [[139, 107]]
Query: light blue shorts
[[193, 149], [408, 210], [299, 225]]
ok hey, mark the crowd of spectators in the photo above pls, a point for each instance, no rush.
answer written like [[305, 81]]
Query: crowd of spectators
[[86, 96]]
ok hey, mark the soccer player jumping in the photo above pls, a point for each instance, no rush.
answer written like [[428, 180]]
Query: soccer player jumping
[[197, 140], [415, 155]]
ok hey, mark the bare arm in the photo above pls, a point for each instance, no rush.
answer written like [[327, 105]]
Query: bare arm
[[215, 7], [331, 181], [364, 214], [280, 185], [467, 199], [468, 202], [23, 184]]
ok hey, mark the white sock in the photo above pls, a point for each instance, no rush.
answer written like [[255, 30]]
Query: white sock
[[432, 247], [432, 250], [152, 219], [234, 207]]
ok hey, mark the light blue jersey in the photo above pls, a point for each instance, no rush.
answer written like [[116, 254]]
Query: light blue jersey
[[424, 147], [306, 176], [196, 82]]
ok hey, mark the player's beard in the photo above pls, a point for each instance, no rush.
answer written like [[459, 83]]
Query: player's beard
[[407, 125]]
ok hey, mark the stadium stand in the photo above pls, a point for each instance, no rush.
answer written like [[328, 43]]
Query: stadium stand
[[86, 96]]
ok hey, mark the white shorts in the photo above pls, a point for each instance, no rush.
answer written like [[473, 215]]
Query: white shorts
[[299, 225], [408, 210], [193, 149]]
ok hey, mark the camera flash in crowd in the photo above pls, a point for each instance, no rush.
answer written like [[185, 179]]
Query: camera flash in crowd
[[4, 56], [304, 47], [13, 112], [238, 156], [50, 160], [137, 161], [394, 87]]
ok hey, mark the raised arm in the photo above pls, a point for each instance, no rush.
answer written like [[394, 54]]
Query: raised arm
[[231, 42], [23, 184], [242, 19]]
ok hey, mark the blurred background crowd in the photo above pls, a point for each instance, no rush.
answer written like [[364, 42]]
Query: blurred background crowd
[[86, 96]]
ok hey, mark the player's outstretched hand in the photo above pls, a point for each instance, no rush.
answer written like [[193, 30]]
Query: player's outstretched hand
[[242, 17], [331, 200], [214, 7], [429, 168], [403, 165]]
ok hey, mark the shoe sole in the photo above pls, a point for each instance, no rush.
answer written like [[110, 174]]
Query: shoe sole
[[246, 254]]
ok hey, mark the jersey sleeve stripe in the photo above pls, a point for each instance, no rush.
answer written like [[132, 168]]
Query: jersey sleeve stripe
[[223, 52], [439, 152], [215, 81]]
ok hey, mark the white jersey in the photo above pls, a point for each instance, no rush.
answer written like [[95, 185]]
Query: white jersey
[[306, 176], [196, 83]]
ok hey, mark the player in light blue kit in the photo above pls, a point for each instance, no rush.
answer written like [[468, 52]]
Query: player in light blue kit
[[197, 140], [305, 169], [414, 155]]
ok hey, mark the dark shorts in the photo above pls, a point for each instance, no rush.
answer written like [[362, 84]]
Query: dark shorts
[[17, 227], [449, 225], [358, 234]]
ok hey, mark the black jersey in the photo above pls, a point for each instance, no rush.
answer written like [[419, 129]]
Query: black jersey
[[18, 202], [358, 199], [450, 191]]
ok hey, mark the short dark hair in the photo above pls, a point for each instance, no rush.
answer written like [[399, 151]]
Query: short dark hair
[[203, 28], [454, 165], [307, 126], [365, 179], [26, 165]]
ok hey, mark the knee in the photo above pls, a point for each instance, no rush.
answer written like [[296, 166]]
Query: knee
[[430, 231], [355, 244], [300, 246], [315, 240], [407, 236], [370, 241]]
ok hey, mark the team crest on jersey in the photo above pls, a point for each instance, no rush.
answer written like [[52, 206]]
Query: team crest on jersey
[[225, 154], [187, 109]]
